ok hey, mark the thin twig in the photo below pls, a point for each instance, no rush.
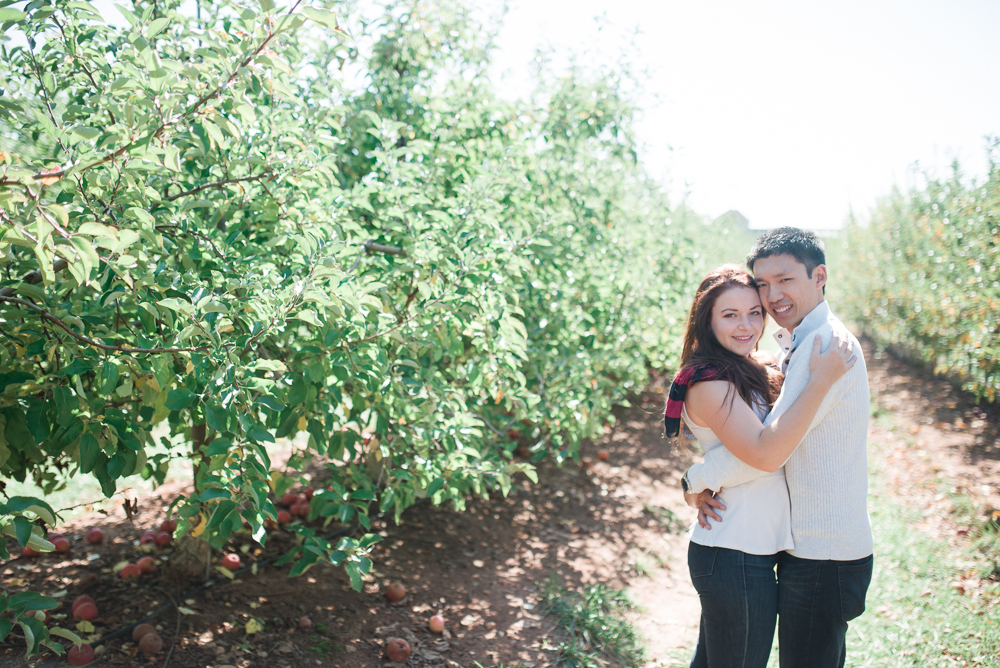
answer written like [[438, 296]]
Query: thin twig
[[218, 184], [89, 341]]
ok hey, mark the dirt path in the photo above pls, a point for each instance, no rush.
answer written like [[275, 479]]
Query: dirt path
[[620, 522]]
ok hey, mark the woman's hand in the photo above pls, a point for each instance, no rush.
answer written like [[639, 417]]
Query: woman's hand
[[829, 366]]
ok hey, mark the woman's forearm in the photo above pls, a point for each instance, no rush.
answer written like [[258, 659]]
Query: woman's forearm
[[778, 440]]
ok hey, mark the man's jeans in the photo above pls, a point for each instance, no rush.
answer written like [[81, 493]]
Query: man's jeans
[[816, 599], [739, 604]]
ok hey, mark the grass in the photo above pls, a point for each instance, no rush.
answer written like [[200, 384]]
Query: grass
[[931, 603], [590, 627]]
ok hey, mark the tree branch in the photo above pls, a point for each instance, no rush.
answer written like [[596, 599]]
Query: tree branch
[[33, 278], [218, 184], [91, 342]]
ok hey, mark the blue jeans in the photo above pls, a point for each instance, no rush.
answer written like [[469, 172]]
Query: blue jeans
[[739, 606], [816, 599]]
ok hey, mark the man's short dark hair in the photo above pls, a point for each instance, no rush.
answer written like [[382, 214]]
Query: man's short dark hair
[[803, 245]]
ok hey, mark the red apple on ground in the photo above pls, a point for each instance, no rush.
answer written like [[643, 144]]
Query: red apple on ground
[[150, 644], [308, 492], [284, 517], [604, 455], [95, 536], [168, 526], [230, 562], [141, 630], [289, 498], [395, 592], [85, 611], [29, 552], [60, 543], [146, 565], [80, 656], [130, 572], [305, 623], [80, 600], [300, 509], [436, 624], [163, 539], [397, 649], [148, 538]]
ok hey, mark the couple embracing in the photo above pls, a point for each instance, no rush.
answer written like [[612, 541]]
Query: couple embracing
[[783, 534]]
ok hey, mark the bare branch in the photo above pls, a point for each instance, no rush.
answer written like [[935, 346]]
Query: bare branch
[[218, 184], [33, 278], [91, 342]]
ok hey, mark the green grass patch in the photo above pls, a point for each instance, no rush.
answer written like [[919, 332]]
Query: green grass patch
[[590, 627], [930, 603]]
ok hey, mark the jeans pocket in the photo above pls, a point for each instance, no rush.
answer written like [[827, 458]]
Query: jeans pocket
[[701, 560], [854, 580]]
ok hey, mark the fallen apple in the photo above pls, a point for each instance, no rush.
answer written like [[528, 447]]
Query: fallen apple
[[130, 572], [146, 565], [141, 630], [397, 649], [305, 622], [603, 455], [436, 624], [29, 552], [150, 644], [60, 543], [80, 656], [289, 498], [163, 539], [95, 536], [168, 526], [230, 562], [284, 517], [80, 600], [395, 592], [300, 509], [148, 538], [308, 492], [85, 611]]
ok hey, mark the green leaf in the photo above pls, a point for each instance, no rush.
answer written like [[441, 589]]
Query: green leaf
[[322, 16], [5, 626], [271, 402], [266, 5], [90, 451], [68, 635], [109, 377], [308, 315], [156, 26], [87, 132], [11, 14], [179, 399], [355, 574]]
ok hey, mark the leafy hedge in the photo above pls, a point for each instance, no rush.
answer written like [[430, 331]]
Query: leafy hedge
[[208, 239], [925, 273]]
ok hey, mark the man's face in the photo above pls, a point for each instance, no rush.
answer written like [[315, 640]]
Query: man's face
[[786, 289]]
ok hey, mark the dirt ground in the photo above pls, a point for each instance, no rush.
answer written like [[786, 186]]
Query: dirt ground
[[619, 522]]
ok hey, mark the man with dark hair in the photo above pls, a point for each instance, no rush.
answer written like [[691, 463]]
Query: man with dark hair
[[823, 580]]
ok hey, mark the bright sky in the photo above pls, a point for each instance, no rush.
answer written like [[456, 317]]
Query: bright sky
[[791, 112]]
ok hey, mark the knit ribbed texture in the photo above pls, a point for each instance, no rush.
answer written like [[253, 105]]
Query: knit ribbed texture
[[827, 474]]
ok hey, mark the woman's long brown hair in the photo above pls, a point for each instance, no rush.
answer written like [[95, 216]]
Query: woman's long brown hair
[[750, 378]]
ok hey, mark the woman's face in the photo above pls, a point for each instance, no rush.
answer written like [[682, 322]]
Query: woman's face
[[738, 320]]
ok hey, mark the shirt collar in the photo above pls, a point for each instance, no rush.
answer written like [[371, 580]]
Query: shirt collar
[[789, 341]]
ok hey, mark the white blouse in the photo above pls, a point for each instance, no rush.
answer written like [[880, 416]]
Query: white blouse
[[758, 514]]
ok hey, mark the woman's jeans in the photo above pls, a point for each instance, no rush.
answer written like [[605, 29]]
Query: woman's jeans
[[739, 606]]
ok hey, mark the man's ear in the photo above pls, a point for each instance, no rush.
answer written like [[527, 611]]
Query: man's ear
[[819, 276]]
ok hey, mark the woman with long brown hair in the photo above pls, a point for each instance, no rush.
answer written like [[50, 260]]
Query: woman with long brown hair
[[722, 393]]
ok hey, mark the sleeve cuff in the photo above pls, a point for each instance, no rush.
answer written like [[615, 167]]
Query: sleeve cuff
[[696, 482]]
